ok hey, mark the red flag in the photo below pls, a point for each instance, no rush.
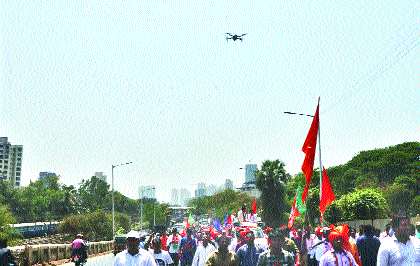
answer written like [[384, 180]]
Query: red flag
[[254, 206], [229, 219], [327, 193], [309, 148], [294, 212]]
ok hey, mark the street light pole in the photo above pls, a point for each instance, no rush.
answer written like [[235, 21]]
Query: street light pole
[[113, 201]]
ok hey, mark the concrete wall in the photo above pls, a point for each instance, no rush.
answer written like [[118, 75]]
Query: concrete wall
[[32, 254]]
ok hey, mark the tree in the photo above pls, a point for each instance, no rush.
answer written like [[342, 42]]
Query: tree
[[271, 181], [6, 218], [401, 193], [93, 194], [365, 204], [219, 204], [94, 226]]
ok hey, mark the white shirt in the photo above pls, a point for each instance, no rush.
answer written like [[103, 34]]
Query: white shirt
[[163, 258], [143, 258], [201, 254], [344, 258], [312, 241], [321, 249], [392, 252]]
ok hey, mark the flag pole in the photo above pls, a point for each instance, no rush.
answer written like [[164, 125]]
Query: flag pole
[[320, 161]]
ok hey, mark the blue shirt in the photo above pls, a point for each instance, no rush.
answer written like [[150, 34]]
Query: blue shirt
[[368, 246], [248, 255], [187, 249]]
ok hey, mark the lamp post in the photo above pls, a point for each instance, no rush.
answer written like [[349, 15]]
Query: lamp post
[[113, 202]]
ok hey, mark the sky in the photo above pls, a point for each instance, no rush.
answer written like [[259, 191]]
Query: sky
[[89, 84]]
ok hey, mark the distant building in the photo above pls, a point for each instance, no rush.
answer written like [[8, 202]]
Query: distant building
[[250, 170], [43, 175], [201, 190], [147, 192], [100, 175], [228, 184], [249, 187], [10, 161], [175, 197], [184, 196]]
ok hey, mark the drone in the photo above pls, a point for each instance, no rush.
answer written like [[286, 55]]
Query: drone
[[234, 37]]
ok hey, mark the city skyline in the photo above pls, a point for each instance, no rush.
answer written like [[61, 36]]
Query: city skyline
[[88, 85]]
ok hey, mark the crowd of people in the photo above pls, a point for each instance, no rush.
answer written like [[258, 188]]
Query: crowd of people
[[332, 245]]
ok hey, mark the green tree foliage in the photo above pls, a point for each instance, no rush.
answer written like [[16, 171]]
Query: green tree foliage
[[271, 181], [93, 195], [6, 218], [94, 226], [364, 204], [220, 203], [401, 193]]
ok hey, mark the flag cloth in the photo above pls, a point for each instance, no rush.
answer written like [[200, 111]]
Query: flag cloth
[[254, 206], [294, 212], [229, 219], [191, 219], [217, 225], [300, 205], [327, 193], [309, 148]]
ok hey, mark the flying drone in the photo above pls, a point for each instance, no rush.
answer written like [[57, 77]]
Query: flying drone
[[234, 37]]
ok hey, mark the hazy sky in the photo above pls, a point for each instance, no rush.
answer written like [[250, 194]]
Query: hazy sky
[[88, 84]]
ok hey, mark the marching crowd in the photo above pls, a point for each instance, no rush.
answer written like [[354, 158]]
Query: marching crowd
[[332, 246]]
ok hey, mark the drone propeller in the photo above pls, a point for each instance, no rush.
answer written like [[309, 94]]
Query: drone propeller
[[243, 34], [229, 34]]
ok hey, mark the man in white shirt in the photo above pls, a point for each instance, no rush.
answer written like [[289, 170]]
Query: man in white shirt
[[203, 251], [399, 250], [162, 257], [337, 256], [133, 256]]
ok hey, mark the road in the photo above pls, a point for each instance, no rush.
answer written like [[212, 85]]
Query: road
[[98, 261]]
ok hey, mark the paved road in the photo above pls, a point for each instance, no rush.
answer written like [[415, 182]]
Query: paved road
[[98, 261]]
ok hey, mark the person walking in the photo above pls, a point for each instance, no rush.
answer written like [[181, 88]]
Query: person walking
[[187, 248], [173, 245], [337, 256], [276, 254], [133, 256], [399, 250], [223, 257], [248, 254], [6, 257], [368, 246], [203, 251]]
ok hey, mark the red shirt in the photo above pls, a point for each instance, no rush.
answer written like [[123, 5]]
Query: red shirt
[[163, 240]]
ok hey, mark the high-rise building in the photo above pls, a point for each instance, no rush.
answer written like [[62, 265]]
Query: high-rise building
[[100, 175], [175, 197], [46, 174], [10, 161], [201, 190], [228, 184], [184, 196], [250, 170], [147, 192]]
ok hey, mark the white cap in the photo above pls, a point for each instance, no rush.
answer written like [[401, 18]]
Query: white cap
[[133, 234]]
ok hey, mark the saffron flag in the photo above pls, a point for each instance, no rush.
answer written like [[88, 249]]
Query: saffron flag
[[254, 206], [309, 148], [327, 193]]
